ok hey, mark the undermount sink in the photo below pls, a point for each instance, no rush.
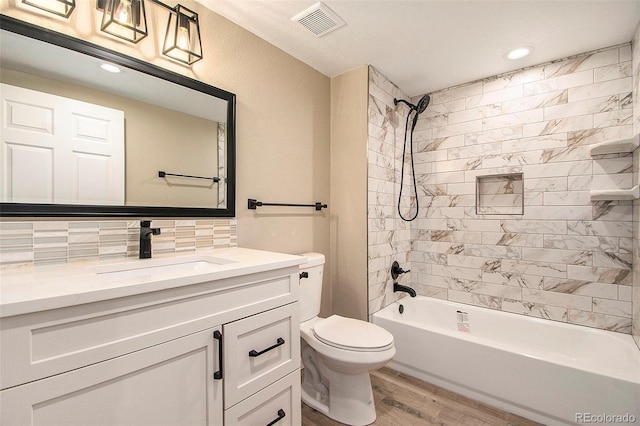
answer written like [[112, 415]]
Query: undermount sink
[[148, 267]]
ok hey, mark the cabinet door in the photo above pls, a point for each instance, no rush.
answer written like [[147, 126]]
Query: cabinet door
[[168, 384]]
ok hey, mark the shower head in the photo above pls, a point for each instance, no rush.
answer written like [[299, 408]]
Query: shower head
[[422, 104]]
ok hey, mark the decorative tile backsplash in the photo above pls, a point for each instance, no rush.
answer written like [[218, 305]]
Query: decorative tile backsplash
[[565, 258], [47, 242]]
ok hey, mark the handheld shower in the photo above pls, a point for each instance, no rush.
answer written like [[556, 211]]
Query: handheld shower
[[417, 109], [422, 105]]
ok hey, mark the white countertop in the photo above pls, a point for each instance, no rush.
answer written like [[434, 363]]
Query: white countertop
[[37, 288]]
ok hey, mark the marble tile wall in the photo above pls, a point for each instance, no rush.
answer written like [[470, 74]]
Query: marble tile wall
[[49, 242], [222, 160], [566, 258], [636, 179], [388, 235], [636, 251]]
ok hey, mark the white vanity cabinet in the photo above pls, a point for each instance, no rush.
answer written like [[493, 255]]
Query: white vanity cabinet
[[167, 384], [210, 353]]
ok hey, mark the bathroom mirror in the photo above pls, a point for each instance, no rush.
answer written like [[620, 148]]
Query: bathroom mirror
[[142, 142]]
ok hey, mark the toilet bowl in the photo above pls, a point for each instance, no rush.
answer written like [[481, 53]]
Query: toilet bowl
[[337, 355]]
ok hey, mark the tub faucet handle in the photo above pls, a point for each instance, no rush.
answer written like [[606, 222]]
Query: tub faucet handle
[[396, 270]]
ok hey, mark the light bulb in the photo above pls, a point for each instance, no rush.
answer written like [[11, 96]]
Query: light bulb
[[183, 38], [124, 14]]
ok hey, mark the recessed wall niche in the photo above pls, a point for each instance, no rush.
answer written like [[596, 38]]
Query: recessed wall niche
[[500, 194]]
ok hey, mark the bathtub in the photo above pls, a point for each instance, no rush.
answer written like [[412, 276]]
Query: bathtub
[[550, 372]]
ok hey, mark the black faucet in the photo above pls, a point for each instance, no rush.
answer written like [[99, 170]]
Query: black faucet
[[146, 231], [396, 270], [399, 287]]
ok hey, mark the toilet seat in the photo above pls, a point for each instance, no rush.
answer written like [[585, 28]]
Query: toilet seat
[[352, 335]]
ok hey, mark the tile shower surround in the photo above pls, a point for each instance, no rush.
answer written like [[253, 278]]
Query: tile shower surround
[[389, 237], [636, 179], [48, 242], [567, 258]]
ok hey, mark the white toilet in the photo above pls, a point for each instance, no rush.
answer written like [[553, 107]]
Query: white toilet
[[337, 354]]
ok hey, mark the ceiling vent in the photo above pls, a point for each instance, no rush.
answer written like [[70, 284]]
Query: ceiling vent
[[319, 19]]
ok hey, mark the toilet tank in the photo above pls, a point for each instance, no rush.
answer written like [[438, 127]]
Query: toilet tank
[[311, 287]]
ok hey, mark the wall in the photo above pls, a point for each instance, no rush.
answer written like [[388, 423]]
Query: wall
[[635, 44], [349, 193], [283, 123], [566, 258], [389, 236]]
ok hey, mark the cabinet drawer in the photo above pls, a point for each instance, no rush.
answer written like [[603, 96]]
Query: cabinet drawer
[[46, 343], [279, 401], [259, 350]]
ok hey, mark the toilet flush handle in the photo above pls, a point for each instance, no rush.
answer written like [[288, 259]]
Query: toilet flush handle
[[304, 275]]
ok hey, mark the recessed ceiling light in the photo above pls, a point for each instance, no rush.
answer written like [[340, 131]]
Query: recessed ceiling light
[[110, 68], [519, 52]]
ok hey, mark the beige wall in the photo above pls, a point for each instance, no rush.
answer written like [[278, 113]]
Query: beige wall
[[282, 120], [349, 94]]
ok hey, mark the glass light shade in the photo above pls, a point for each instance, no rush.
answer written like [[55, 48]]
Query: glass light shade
[[125, 19], [57, 7], [182, 40]]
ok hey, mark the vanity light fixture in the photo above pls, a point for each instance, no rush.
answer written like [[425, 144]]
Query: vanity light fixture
[[57, 7], [182, 39], [125, 19]]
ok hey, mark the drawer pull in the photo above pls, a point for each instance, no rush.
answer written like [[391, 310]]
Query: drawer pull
[[254, 353], [218, 336], [281, 415]]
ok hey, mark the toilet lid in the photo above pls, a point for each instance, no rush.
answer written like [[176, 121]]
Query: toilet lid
[[352, 334]]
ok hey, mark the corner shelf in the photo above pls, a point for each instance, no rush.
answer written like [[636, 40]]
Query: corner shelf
[[615, 194], [616, 147]]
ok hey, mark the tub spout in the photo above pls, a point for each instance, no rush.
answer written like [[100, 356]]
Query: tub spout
[[399, 287]]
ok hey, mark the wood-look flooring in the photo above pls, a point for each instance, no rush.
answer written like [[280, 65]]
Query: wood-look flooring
[[402, 400]]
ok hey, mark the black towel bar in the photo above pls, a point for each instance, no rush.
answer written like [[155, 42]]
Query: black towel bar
[[252, 204], [163, 174]]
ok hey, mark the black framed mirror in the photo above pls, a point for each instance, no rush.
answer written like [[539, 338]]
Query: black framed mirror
[[175, 136]]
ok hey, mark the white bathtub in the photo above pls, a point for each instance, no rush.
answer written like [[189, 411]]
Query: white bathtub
[[547, 371]]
